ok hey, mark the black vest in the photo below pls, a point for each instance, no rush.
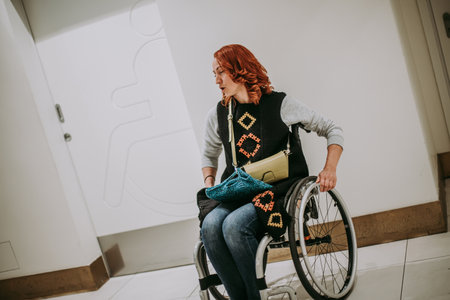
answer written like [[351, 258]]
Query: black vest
[[259, 133]]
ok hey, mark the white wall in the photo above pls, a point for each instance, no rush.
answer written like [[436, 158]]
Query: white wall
[[344, 59], [47, 230]]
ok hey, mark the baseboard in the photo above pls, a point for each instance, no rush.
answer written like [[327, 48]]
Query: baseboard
[[444, 164], [69, 281], [399, 224], [388, 226], [443, 173]]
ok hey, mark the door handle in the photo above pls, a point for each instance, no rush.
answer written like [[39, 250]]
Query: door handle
[[59, 113]]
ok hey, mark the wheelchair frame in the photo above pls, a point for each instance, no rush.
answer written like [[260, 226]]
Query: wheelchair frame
[[298, 200]]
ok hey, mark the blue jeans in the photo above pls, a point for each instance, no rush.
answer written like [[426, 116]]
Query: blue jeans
[[231, 237]]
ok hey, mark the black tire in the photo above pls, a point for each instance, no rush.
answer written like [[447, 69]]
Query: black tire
[[326, 264]]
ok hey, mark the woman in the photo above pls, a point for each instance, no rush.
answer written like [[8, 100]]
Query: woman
[[231, 232]]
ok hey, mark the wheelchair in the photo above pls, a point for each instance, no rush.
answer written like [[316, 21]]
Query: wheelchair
[[322, 243]]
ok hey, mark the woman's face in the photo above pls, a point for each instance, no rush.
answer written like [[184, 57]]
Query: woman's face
[[226, 84]]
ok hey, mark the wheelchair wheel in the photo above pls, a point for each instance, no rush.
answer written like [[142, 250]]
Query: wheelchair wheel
[[322, 241]]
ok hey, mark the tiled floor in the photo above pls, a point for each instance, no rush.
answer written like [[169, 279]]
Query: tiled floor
[[416, 269]]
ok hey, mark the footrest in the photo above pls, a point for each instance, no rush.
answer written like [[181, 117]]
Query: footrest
[[279, 290]]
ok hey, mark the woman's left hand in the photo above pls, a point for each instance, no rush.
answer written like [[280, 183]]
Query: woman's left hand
[[327, 180]]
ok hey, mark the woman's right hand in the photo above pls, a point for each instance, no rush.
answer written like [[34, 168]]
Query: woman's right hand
[[209, 176]]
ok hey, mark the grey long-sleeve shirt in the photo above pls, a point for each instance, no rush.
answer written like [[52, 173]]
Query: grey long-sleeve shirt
[[292, 111]]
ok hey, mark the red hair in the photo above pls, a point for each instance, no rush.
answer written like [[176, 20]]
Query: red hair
[[243, 67]]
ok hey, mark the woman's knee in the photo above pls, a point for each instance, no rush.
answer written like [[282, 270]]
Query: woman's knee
[[212, 224], [241, 223]]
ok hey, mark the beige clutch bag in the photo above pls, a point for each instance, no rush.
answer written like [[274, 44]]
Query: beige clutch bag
[[271, 169]]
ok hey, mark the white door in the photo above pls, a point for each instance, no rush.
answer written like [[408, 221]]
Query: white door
[[440, 10], [109, 66]]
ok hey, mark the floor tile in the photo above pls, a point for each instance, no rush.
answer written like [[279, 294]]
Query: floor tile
[[280, 273], [168, 284], [196, 290], [375, 284], [431, 246], [379, 276], [107, 291], [299, 290], [428, 279], [368, 283], [383, 255], [195, 294]]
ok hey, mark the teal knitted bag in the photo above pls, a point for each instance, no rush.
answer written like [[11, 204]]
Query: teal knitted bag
[[237, 186]]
